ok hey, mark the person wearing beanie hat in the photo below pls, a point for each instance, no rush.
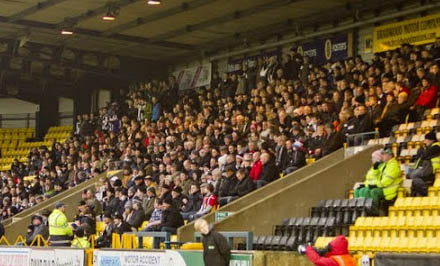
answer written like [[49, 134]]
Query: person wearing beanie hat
[[369, 188], [297, 156], [38, 228], [427, 164]]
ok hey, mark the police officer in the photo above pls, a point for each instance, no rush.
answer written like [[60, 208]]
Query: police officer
[[60, 232]]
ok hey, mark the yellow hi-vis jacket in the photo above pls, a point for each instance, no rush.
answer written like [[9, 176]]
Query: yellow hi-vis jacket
[[58, 225], [391, 179]]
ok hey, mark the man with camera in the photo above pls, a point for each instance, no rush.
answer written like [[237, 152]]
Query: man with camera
[[335, 254]]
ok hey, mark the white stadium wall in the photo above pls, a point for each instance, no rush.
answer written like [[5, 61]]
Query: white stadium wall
[[65, 110], [17, 113], [104, 97]]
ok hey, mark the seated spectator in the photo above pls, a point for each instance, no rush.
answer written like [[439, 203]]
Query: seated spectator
[[80, 240], [37, 228], [93, 202], [86, 218], [332, 141], [297, 157], [155, 218], [209, 202], [244, 185], [148, 202], [256, 167], [428, 162], [391, 177], [177, 196], [105, 240], [193, 202], [390, 116], [269, 171], [226, 185], [120, 226], [370, 187], [427, 98], [137, 217]]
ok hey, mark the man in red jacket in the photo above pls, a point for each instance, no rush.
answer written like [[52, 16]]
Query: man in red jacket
[[336, 255], [256, 168], [428, 95]]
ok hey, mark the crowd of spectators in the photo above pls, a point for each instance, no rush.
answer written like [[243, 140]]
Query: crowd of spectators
[[183, 156]]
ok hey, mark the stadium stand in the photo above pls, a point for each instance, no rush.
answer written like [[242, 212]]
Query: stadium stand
[[255, 142]]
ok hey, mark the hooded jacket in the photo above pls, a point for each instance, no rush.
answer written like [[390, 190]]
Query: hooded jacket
[[337, 256]]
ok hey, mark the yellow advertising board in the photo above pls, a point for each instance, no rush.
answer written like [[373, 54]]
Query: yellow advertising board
[[415, 31]]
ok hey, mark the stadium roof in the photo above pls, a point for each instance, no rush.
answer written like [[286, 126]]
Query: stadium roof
[[173, 29]]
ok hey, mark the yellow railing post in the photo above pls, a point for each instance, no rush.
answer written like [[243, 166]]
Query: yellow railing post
[[3, 239], [20, 239]]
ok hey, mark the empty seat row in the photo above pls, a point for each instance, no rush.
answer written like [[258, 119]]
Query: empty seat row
[[344, 211], [388, 244], [396, 226], [395, 244], [416, 206], [306, 229], [60, 129], [280, 243]]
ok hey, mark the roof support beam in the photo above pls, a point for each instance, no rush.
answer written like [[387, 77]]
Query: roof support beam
[[34, 9], [98, 34], [184, 7], [101, 10], [238, 14]]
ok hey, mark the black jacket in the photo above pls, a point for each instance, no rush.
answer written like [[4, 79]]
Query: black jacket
[[269, 172], [216, 250], [137, 218], [194, 202], [171, 217], [297, 159], [225, 186], [282, 158], [122, 228], [105, 240], [334, 142], [243, 187]]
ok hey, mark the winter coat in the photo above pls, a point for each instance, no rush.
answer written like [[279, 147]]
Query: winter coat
[[216, 250], [338, 253]]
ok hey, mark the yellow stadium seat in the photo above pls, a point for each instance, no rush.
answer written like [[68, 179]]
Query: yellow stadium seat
[[100, 226], [192, 246], [144, 224]]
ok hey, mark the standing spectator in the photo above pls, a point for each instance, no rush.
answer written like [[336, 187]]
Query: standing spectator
[[216, 250], [60, 231]]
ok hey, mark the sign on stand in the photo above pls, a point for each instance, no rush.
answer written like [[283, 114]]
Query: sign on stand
[[219, 216]]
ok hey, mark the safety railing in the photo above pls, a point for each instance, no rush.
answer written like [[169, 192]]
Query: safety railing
[[361, 139], [38, 241]]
